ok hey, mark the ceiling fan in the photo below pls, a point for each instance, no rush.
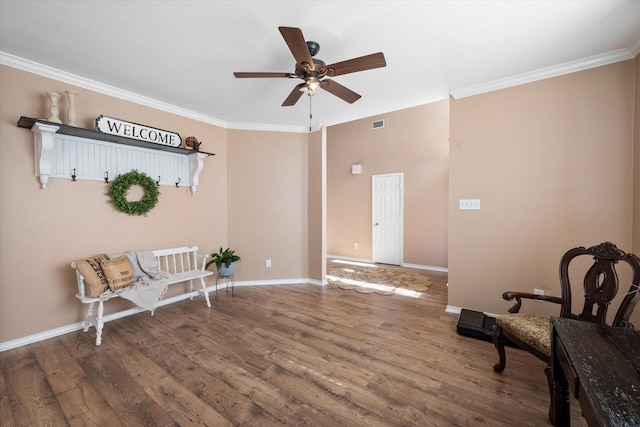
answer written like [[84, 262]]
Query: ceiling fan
[[314, 71]]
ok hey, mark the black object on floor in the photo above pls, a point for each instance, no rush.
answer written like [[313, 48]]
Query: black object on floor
[[476, 324]]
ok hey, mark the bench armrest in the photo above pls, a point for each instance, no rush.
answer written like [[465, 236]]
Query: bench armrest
[[204, 260]]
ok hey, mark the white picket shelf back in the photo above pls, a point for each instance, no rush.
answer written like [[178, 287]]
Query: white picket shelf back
[[100, 156]]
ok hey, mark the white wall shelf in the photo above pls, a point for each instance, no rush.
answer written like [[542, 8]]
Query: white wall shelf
[[63, 151]]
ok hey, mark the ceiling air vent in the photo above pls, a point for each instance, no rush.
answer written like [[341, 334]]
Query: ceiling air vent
[[378, 124]]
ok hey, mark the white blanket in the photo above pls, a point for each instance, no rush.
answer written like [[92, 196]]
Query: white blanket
[[150, 286]]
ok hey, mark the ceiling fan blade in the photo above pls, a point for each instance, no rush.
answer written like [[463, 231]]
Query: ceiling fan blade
[[297, 45], [340, 91], [250, 75], [293, 97], [367, 62]]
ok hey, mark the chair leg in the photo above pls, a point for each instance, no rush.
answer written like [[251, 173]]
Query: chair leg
[[547, 372], [499, 342]]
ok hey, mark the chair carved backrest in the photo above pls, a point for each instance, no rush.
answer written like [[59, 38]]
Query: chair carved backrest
[[600, 285]]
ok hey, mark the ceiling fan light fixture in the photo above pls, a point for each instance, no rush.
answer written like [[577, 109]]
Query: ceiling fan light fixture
[[312, 85]]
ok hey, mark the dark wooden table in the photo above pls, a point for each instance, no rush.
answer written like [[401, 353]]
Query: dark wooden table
[[600, 365]]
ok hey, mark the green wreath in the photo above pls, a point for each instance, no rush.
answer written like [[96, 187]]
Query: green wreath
[[122, 184]]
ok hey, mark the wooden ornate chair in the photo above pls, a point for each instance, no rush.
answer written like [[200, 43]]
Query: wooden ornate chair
[[600, 286]]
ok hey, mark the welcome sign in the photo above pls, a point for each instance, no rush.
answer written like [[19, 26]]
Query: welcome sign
[[112, 126]]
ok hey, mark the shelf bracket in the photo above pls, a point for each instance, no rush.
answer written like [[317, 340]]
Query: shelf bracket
[[195, 167], [43, 149]]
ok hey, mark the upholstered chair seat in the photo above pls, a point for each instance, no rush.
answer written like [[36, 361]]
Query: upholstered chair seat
[[534, 331]]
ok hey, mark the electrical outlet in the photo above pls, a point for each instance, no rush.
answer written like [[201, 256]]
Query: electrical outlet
[[355, 245], [537, 291], [469, 204], [267, 263]]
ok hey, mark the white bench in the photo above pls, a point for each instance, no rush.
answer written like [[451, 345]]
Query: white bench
[[181, 263]]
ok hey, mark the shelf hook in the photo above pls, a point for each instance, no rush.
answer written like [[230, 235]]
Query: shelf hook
[[158, 181], [73, 176], [106, 177], [178, 182]]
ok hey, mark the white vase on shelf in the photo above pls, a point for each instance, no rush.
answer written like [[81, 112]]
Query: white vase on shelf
[[53, 107], [71, 112]]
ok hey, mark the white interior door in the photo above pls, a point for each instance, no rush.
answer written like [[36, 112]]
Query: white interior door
[[387, 218]]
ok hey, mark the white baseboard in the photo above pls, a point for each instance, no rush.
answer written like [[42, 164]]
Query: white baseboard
[[370, 261], [51, 333], [347, 258], [453, 309], [272, 282], [318, 282], [427, 267], [456, 310]]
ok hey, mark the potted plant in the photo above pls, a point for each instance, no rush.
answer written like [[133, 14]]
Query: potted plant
[[225, 261]]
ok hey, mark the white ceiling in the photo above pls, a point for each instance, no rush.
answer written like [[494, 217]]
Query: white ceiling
[[181, 55]]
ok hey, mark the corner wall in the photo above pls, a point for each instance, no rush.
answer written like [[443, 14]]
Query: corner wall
[[317, 206], [268, 204]]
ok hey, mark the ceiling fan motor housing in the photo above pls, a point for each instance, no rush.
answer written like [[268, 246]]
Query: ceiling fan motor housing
[[314, 48]]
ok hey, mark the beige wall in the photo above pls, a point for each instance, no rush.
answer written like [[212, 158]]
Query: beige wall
[[268, 206], [413, 141], [552, 162]]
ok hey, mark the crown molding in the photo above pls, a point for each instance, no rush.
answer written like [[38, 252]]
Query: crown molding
[[545, 73], [266, 127], [56, 74]]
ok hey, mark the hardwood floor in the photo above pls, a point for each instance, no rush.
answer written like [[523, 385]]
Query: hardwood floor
[[295, 355]]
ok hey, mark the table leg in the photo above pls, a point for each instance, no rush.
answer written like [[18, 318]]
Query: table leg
[[560, 398]]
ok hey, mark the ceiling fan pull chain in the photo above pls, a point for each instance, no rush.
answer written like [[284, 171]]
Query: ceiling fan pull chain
[[310, 114]]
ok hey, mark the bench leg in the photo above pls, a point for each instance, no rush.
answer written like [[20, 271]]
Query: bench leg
[[99, 323], [89, 319], [204, 290]]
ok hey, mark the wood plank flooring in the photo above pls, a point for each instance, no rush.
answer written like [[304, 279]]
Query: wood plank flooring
[[294, 355]]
